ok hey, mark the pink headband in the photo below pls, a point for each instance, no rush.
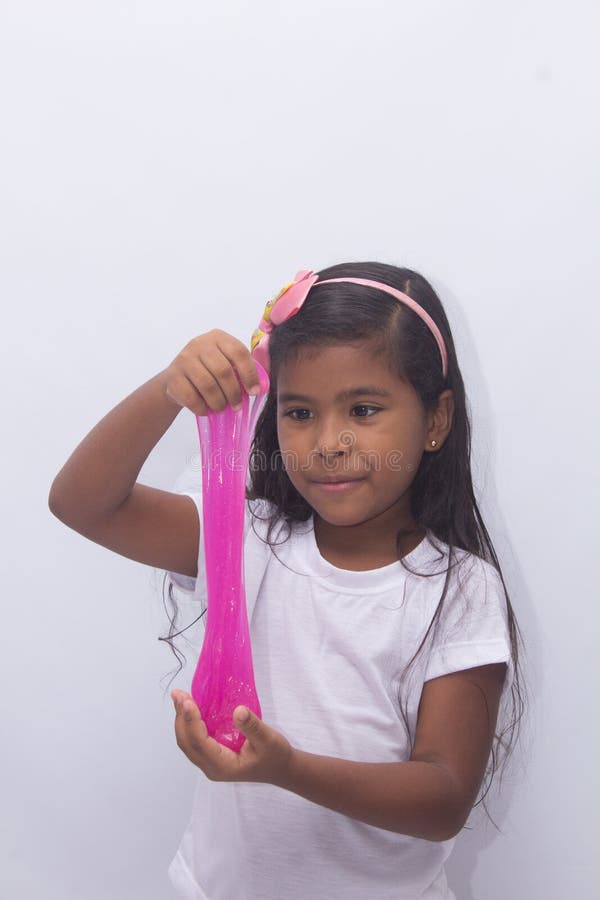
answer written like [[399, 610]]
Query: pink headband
[[291, 297]]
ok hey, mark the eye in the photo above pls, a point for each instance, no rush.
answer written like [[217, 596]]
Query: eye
[[291, 412], [366, 406]]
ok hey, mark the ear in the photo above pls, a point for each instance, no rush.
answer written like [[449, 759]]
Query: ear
[[440, 420]]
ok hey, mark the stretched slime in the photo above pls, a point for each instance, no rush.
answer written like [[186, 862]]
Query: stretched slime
[[224, 676]]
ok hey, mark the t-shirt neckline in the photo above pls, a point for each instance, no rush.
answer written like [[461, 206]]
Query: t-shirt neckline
[[346, 579]]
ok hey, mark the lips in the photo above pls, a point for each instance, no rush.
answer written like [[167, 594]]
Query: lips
[[338, 486], [336, 479]]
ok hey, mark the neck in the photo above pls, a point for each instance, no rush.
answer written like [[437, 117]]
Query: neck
[[368, 545]]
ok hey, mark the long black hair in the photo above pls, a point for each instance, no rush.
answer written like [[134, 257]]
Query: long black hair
[[442, 496]]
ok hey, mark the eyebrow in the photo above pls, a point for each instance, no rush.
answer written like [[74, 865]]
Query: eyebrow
[[343, 395]]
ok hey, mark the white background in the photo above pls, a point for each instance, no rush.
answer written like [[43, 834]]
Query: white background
[[165, 169]]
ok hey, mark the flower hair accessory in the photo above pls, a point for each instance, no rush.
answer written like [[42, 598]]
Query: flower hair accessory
[[283, 306], [291, 297]]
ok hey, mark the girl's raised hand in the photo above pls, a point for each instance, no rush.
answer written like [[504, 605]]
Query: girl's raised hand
[[202, 376]]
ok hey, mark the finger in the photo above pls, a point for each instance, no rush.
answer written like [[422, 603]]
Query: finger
[[218, 763], [179, 697], [186, 393], [204, 376], [241, 359], [190, 729], [215, 379], [253, 728], [212, 380]]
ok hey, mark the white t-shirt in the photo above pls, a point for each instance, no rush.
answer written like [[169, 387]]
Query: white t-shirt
[[329, 646]]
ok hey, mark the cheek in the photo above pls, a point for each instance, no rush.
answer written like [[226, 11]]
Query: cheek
[[282, 434], [400, 450], [290, 444], [287, 435], [413, 452], [297, 451]]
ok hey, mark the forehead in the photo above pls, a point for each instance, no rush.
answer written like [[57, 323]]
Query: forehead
[[331, 372]]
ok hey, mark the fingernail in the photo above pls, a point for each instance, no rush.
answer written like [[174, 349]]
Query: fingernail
[[255, 389], [237, 407]]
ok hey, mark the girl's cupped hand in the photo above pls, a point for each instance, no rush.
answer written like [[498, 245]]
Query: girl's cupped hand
[[266, 755]]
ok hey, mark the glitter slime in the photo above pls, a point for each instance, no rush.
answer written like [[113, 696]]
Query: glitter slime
[[224, 676]]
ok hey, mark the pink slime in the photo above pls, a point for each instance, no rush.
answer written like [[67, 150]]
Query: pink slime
[[224, 676]]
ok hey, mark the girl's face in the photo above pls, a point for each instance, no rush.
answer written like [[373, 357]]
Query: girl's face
[[342, 413]]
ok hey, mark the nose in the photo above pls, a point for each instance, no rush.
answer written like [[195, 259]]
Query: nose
[[333, 440]]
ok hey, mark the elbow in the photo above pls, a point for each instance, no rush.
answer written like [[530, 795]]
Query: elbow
[[57, 505], [438, 824], [54, 502], [447, 834], [442, 832], [451, 822], [451, 813], [454, 808]]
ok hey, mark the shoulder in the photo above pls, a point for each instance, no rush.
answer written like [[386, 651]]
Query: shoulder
[[474, 601], [467, 570], [482, 584], [472, 626], [264, 519]]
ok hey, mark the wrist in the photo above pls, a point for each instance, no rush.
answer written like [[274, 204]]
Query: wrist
[[292, 770], [162, 379]]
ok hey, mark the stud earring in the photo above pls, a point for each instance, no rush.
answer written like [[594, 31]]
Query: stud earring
[[434, 443]]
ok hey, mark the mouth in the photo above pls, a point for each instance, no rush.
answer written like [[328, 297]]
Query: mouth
[[335, 479], [338, 483]]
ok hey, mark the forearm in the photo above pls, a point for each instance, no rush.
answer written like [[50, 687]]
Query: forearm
[[101, 471], [413, 798]]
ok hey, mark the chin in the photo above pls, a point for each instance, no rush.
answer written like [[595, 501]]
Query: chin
[[339, 517]]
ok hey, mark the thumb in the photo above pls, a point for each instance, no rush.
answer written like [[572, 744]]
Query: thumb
[[246, 721]]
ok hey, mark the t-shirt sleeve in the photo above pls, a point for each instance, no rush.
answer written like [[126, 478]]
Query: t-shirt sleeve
[[187, 584], [473, 627], [185, 587]]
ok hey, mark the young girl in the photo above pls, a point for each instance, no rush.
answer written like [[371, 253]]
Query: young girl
[[385, 648]]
